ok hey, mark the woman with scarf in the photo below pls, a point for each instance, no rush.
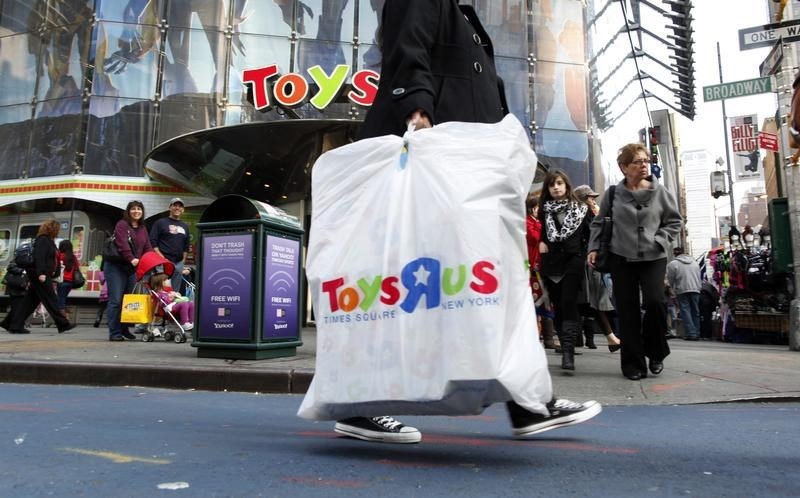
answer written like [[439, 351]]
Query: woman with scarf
[[565, 236]]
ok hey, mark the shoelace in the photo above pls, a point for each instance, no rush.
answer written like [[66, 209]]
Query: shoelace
[[387, 422], [565, 404]]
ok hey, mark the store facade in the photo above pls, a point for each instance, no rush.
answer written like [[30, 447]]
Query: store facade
[[92, 90]]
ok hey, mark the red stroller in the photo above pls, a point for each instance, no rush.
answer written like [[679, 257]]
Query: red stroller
[[163, 323]]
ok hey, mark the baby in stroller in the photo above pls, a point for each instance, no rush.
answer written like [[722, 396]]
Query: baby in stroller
[[172, 301]]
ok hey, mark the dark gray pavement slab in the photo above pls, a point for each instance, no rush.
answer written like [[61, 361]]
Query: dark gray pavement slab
[[695, 372]]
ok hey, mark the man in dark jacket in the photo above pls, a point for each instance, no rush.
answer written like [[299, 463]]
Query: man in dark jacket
[[438, 66]]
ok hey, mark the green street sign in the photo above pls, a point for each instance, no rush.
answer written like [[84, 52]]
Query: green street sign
[[737, 89]]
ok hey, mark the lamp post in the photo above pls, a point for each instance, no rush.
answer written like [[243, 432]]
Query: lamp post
[[727, 159]]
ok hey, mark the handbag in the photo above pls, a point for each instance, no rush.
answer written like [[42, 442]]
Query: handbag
[[602, 261], [111, 252], [58, 275], [136, 308], [78, 280]]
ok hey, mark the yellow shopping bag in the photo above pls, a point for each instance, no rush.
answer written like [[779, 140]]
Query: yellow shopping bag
[[136, 308]]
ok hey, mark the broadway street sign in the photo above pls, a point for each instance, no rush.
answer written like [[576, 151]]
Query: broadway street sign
[[737, 89], [768, 34]]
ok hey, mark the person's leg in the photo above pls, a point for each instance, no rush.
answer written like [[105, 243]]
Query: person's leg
[[100, 311], [625, 279], [116, 281], [47, 296], [62, 290], [694, 309], [176, 280], [654, 323], [569, 287], [684, 308]]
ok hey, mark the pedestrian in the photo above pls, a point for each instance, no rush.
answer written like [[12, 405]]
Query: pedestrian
[[437, 66], [170, 238], [683, 277], [16, 282], [132, 240], [646, 220], [40, 278], [595, 313], [709, 301], [533, 235], [68, 263], [102, 300], [565, 236]]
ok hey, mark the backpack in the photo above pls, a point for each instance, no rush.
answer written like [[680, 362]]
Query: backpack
[[23, 255]]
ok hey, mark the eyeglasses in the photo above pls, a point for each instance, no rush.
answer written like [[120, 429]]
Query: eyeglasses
[[640, 162]]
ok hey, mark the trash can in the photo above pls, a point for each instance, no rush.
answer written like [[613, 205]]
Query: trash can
[[248, 298], [781, 235]]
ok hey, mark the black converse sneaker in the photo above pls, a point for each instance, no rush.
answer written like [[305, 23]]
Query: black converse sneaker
[[563, 412], [378, 429]]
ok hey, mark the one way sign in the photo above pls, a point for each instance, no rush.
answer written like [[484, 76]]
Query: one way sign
[[768, 34]]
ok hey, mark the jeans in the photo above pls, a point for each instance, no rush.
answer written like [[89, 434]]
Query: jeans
[[62, 292], [689, 303], [119, 280], [176, 278]]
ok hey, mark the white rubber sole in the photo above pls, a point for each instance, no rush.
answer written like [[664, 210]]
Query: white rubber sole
[[591, 411], [378, 437]]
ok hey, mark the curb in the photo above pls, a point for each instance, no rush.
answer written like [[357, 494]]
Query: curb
[[291, 381]]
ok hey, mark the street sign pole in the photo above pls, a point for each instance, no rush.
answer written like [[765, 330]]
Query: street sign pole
[[727, 151]]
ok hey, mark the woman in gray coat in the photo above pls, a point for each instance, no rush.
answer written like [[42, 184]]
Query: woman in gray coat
[[646, 220]]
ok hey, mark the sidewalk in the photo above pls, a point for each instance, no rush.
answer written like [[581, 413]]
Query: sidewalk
[[695, 372]]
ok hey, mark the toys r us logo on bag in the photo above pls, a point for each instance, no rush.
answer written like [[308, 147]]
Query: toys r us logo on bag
[[440, 286]]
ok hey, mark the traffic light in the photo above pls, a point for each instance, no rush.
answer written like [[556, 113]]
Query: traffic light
[[654, 133], [654, 138]]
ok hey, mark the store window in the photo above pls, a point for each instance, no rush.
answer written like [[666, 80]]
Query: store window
[[506, 23], [254, 51], [19, 16], [54, 141], [194, 62], [180, 117], [119, 135], [323, 53], [205, 15], [17, 70], [326, 20], [149, 12], [5, 246], [63, 56], [272, 17], [15, 130], [125, 60]]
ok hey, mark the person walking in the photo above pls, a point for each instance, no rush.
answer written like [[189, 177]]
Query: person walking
[[437, 66], [132, 240], [169, 237], [683, 277], [16, 283], [646, 221], [68, 262], [533, 235], [565, 236], [40, 278], [598, 298]]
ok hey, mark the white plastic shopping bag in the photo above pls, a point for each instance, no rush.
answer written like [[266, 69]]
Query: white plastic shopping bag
[[417, 268]]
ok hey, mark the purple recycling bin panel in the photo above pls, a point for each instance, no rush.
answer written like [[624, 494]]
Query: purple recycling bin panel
[[281, 291]]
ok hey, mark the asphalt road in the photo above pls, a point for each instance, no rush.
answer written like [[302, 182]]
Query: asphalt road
[[90, 441]]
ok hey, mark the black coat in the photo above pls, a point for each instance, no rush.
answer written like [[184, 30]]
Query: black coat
[[437, 57], [44, 256]]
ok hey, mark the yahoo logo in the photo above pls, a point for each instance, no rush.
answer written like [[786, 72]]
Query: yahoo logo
[[420, 278], [292, 89]]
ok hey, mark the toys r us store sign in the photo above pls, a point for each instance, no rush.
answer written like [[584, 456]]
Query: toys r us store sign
[[293, 89]]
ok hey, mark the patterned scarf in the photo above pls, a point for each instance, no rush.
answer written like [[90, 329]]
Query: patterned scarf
[[575, 212]]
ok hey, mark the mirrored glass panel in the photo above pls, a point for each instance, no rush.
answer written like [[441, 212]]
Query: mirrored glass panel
[[505, 23], [561, 96], [558, 31], [568, 150], [329, 20], [63, 59], [515, 80], [369, 17], [17, 70], [326, 54], [126, 60], [55, 137], [64, 12], [15, 128], [200, 14], [194, 63], [179, 117], [119, 134], [19, 16], [267, 17], [369, 57], [149, 12], [254, 52]]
